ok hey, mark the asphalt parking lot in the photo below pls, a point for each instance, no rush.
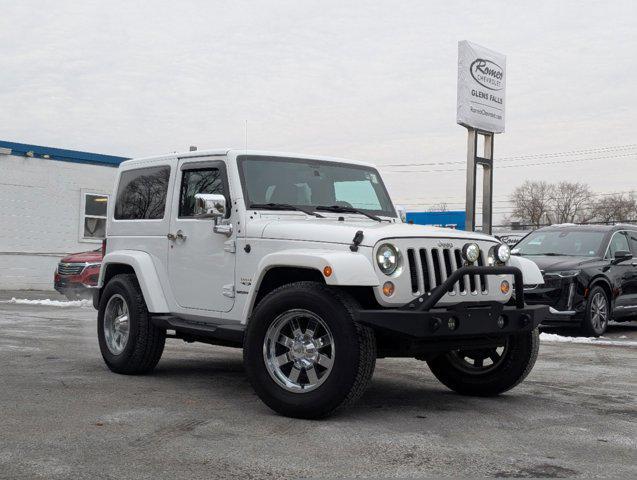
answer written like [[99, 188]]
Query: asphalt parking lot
[[64, 415]]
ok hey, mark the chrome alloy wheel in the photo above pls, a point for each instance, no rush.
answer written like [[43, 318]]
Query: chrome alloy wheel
[[599, 312], [479, 362], [298, 351], [116, 324]]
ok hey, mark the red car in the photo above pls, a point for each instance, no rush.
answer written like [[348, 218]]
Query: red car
[[77, 274]]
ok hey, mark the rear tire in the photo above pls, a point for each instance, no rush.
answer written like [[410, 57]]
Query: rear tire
[[129, 342], [463, 371], [304, 354], [597, 313]]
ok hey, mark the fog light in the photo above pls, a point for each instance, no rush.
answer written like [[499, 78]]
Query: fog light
[[503, 252], [501, 321], [471, 252], [452, 323], [388, 289], [327, 271], [505, 287]]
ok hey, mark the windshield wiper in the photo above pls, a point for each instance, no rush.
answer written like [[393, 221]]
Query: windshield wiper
[[342, 209], [285, 206]]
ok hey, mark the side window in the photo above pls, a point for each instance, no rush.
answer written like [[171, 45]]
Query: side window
[[142, 194], [619, 242], [204, 180]]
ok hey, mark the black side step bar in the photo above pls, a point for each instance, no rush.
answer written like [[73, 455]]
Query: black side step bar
[[226, 335]]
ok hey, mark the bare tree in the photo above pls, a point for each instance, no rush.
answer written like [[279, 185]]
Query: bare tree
[[532, 201], [616, 208], [571, 202], [439, 207]]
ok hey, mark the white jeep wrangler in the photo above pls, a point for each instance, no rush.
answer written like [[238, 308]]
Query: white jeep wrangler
[[304, 262]]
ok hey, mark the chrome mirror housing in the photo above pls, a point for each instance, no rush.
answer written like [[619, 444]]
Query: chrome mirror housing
[[210, 205]]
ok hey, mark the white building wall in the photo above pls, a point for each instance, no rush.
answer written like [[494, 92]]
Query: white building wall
[[40, 202]]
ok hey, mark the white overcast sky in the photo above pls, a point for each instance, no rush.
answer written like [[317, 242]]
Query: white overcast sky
[[366, 80]]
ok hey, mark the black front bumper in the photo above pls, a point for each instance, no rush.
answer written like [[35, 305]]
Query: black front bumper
[[64, 287], [565, 297], [421, 319], [73, 288]]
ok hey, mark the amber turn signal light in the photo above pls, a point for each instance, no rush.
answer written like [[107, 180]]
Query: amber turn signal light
[[388, 289], [505, 287], [327, 271]]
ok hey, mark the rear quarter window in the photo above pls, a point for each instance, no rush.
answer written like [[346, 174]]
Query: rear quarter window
[[633, 241], [141, 194]]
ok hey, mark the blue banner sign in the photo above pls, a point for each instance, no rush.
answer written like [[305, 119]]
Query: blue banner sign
[[453, 219]]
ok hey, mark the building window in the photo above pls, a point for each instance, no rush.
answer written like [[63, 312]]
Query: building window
[[93, 224]]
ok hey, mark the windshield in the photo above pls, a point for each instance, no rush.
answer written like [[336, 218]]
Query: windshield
[[313, 183], [573, 243]]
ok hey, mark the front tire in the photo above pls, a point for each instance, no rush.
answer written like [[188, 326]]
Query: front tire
[[597, 313], [129, 342], [488, 372], [304, 354]]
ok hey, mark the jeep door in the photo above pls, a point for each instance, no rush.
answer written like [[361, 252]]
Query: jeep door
[[201, 264]]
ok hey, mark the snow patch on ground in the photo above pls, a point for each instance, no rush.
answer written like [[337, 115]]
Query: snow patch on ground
[[51, 303], [553, 337]]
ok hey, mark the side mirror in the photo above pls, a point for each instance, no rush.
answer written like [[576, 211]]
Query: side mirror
[[621, 256], [402, 213], [210, 205]]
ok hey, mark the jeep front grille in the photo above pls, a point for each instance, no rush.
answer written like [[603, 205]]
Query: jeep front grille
[[70, 268], [429, 268]]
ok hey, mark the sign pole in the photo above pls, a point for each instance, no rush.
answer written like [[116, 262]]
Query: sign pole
[[487, 184], [486, 161], [470, 206]]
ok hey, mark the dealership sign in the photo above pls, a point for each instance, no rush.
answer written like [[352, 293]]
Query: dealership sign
[[481, 87]]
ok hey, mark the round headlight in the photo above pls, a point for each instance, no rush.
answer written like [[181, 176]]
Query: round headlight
[[471, 252], [503, 252], [387, 258]]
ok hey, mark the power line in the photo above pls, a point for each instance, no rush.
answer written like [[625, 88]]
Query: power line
[[520, 157], [462, 202], [576, 160]]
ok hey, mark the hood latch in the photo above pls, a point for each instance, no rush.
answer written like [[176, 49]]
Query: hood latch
[[358, 238]]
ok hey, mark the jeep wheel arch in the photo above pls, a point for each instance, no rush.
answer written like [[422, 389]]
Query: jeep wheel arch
[[144, 268], [278, 276], [347, 269]]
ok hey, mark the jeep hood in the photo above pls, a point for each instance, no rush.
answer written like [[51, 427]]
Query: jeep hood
[[332, 231]]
